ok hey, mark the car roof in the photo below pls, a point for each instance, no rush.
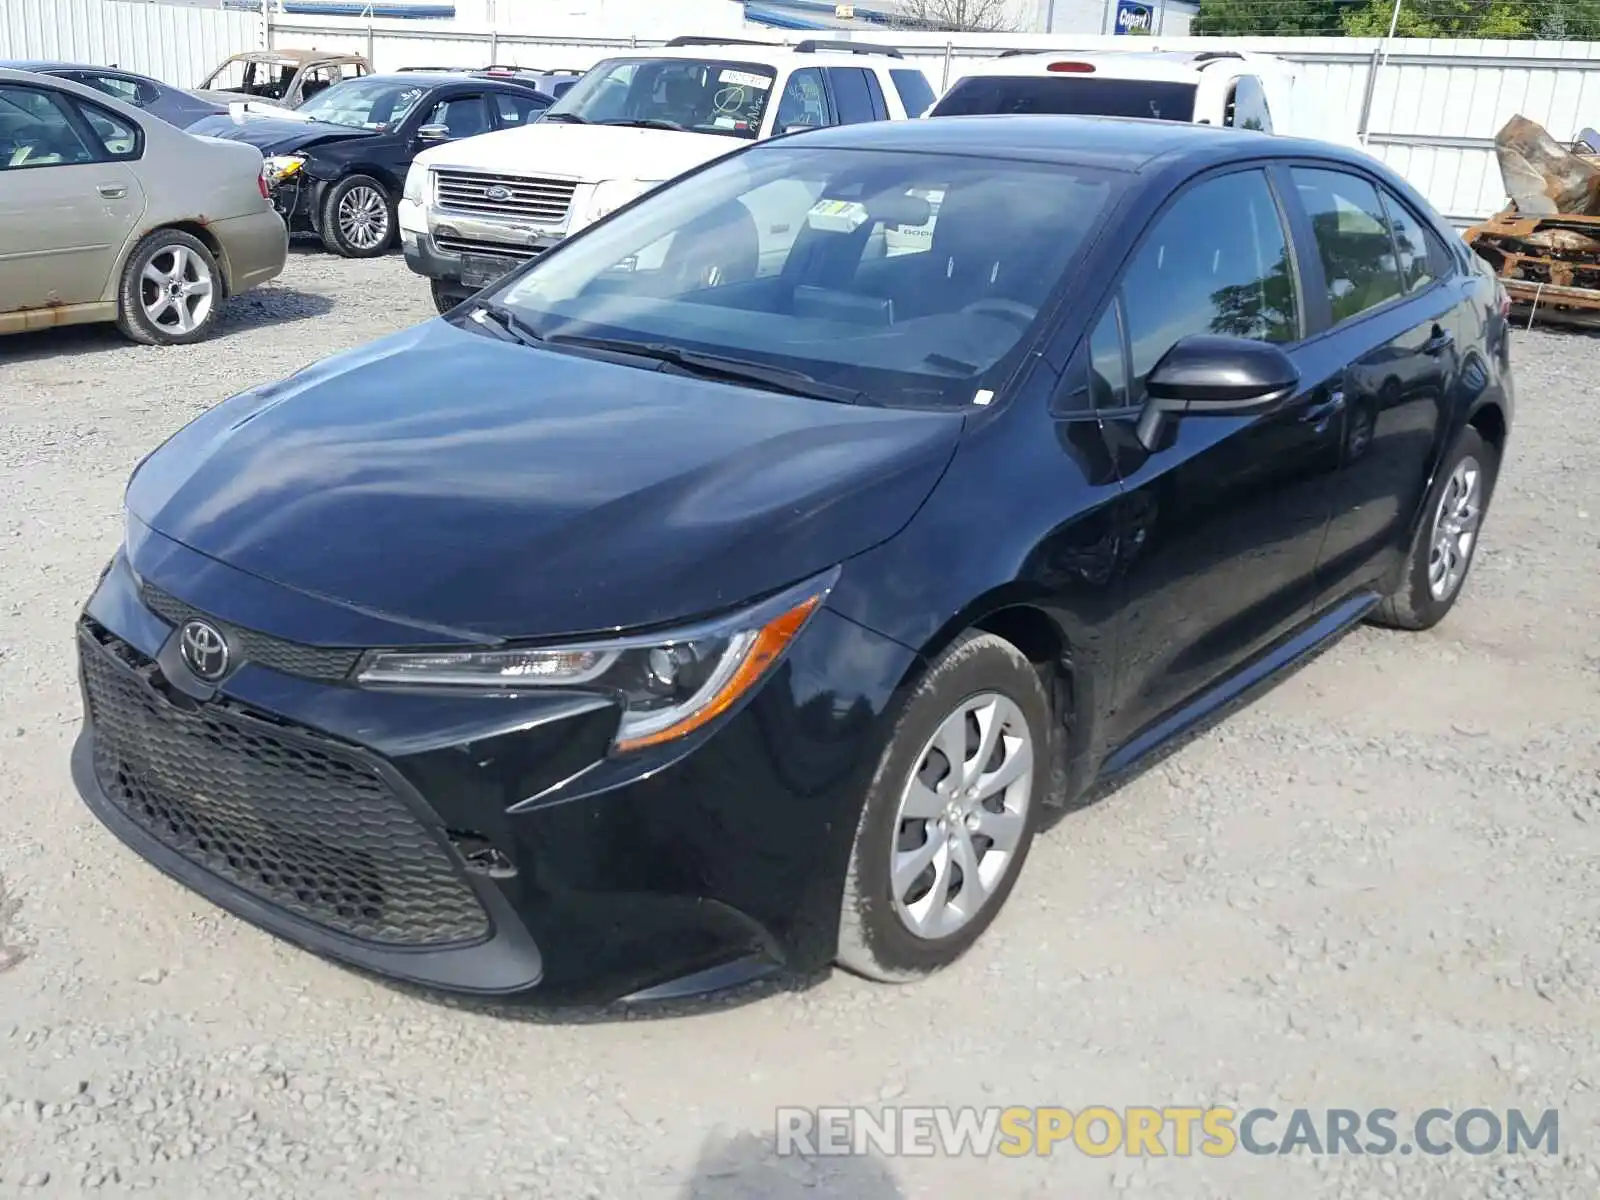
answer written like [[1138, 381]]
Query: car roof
[[1178, 66], [1111, 143], [768, 54], [299, 57]]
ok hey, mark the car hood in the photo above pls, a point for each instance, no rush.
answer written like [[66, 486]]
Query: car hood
[[274, 135], [588, 153], [445, 480]]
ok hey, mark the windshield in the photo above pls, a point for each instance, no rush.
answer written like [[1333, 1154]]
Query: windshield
[[982, 95], [365, 103], [267, 77], [910, 278], [705, 96]]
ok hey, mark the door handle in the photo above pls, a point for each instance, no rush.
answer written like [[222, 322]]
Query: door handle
[[1324, 408], [112, 191], [1441, 341]]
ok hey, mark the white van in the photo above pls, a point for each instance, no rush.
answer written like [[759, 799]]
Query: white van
[[1206, 87], [474, 209]]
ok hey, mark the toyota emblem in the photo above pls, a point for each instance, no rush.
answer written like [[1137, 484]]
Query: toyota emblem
[[204, 650], [499, 193]]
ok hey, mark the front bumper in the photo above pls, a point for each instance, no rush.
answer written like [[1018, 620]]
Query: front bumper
[[467, 252], [585, 877]]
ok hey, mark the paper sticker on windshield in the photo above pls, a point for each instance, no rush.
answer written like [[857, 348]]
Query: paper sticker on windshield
[[745, 79], [837, 216]]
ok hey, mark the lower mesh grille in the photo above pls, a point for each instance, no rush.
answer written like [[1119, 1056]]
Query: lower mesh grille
[[318, 834]]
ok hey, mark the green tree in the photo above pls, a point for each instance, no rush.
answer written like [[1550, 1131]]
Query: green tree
[[1270, 18]]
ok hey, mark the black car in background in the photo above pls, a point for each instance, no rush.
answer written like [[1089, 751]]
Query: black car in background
[[716, 594], [173, 105], [338, 163]]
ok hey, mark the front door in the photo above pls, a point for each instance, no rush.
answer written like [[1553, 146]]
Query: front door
[[1392, 296], [1222, 521], [68, 200]]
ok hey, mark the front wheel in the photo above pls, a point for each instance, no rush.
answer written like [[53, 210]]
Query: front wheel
[[171, 290], [1441, 556], [949, 815], [358, 218], [444, 298]]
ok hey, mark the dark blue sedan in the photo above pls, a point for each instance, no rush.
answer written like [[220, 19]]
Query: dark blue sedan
[[173, 105], [735, 586]]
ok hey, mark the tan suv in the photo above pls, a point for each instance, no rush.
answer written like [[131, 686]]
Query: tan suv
[[110, 214]]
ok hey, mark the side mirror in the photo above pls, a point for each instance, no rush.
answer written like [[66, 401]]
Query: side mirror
[[1210, 376], [434, 133]]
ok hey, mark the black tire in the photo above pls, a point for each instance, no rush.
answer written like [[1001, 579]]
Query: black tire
[[1413, 605], [349, 241], [443, 298], [874, 940], [165, 251]]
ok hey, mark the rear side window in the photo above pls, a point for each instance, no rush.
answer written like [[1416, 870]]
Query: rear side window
[[118, 138], [850, 95], [1353, 242], [517, 110], [915, 91], [980, 95], [1217, 261], [1421, 257]]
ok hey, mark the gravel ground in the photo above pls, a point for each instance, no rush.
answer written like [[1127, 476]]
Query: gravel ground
[[1377, 887]]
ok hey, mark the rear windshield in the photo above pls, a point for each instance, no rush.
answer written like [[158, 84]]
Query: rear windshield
[[981, 95]]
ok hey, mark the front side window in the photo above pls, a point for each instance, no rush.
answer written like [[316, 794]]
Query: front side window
[[804, 104], [783, 257], [1217, 261], [365, 104], [35, 132], [980, 95], [1352, 236], [700, 95]]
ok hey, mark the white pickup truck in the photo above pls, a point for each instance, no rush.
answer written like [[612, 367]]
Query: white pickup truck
[[474, 209]]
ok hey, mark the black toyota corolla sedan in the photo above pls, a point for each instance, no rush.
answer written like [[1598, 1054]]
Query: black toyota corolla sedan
[[733, 587]]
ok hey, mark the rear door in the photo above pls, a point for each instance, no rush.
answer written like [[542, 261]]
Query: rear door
[[68, 197], [1222, 522], [1392, 297]]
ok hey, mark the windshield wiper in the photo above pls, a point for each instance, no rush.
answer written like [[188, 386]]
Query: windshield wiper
[[510, 326], [646, 123], [716, 366], [570, 118]]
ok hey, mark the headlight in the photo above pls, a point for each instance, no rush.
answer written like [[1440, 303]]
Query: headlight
[[610, 195], [279, 167], [669, 684], [414, 181]]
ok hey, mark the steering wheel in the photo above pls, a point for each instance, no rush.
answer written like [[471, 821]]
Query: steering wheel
[[1006, 310]]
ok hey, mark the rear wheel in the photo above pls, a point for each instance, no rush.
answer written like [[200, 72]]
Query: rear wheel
[[1441, 556], [950, 813], [358, 218], [171, 290]]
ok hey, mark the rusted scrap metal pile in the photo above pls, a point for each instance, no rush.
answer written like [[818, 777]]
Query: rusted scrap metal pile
[[1546, 246]]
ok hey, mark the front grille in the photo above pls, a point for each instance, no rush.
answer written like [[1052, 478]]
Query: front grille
[[297, 823], [291, 658], [542, 200], [461, 245]]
